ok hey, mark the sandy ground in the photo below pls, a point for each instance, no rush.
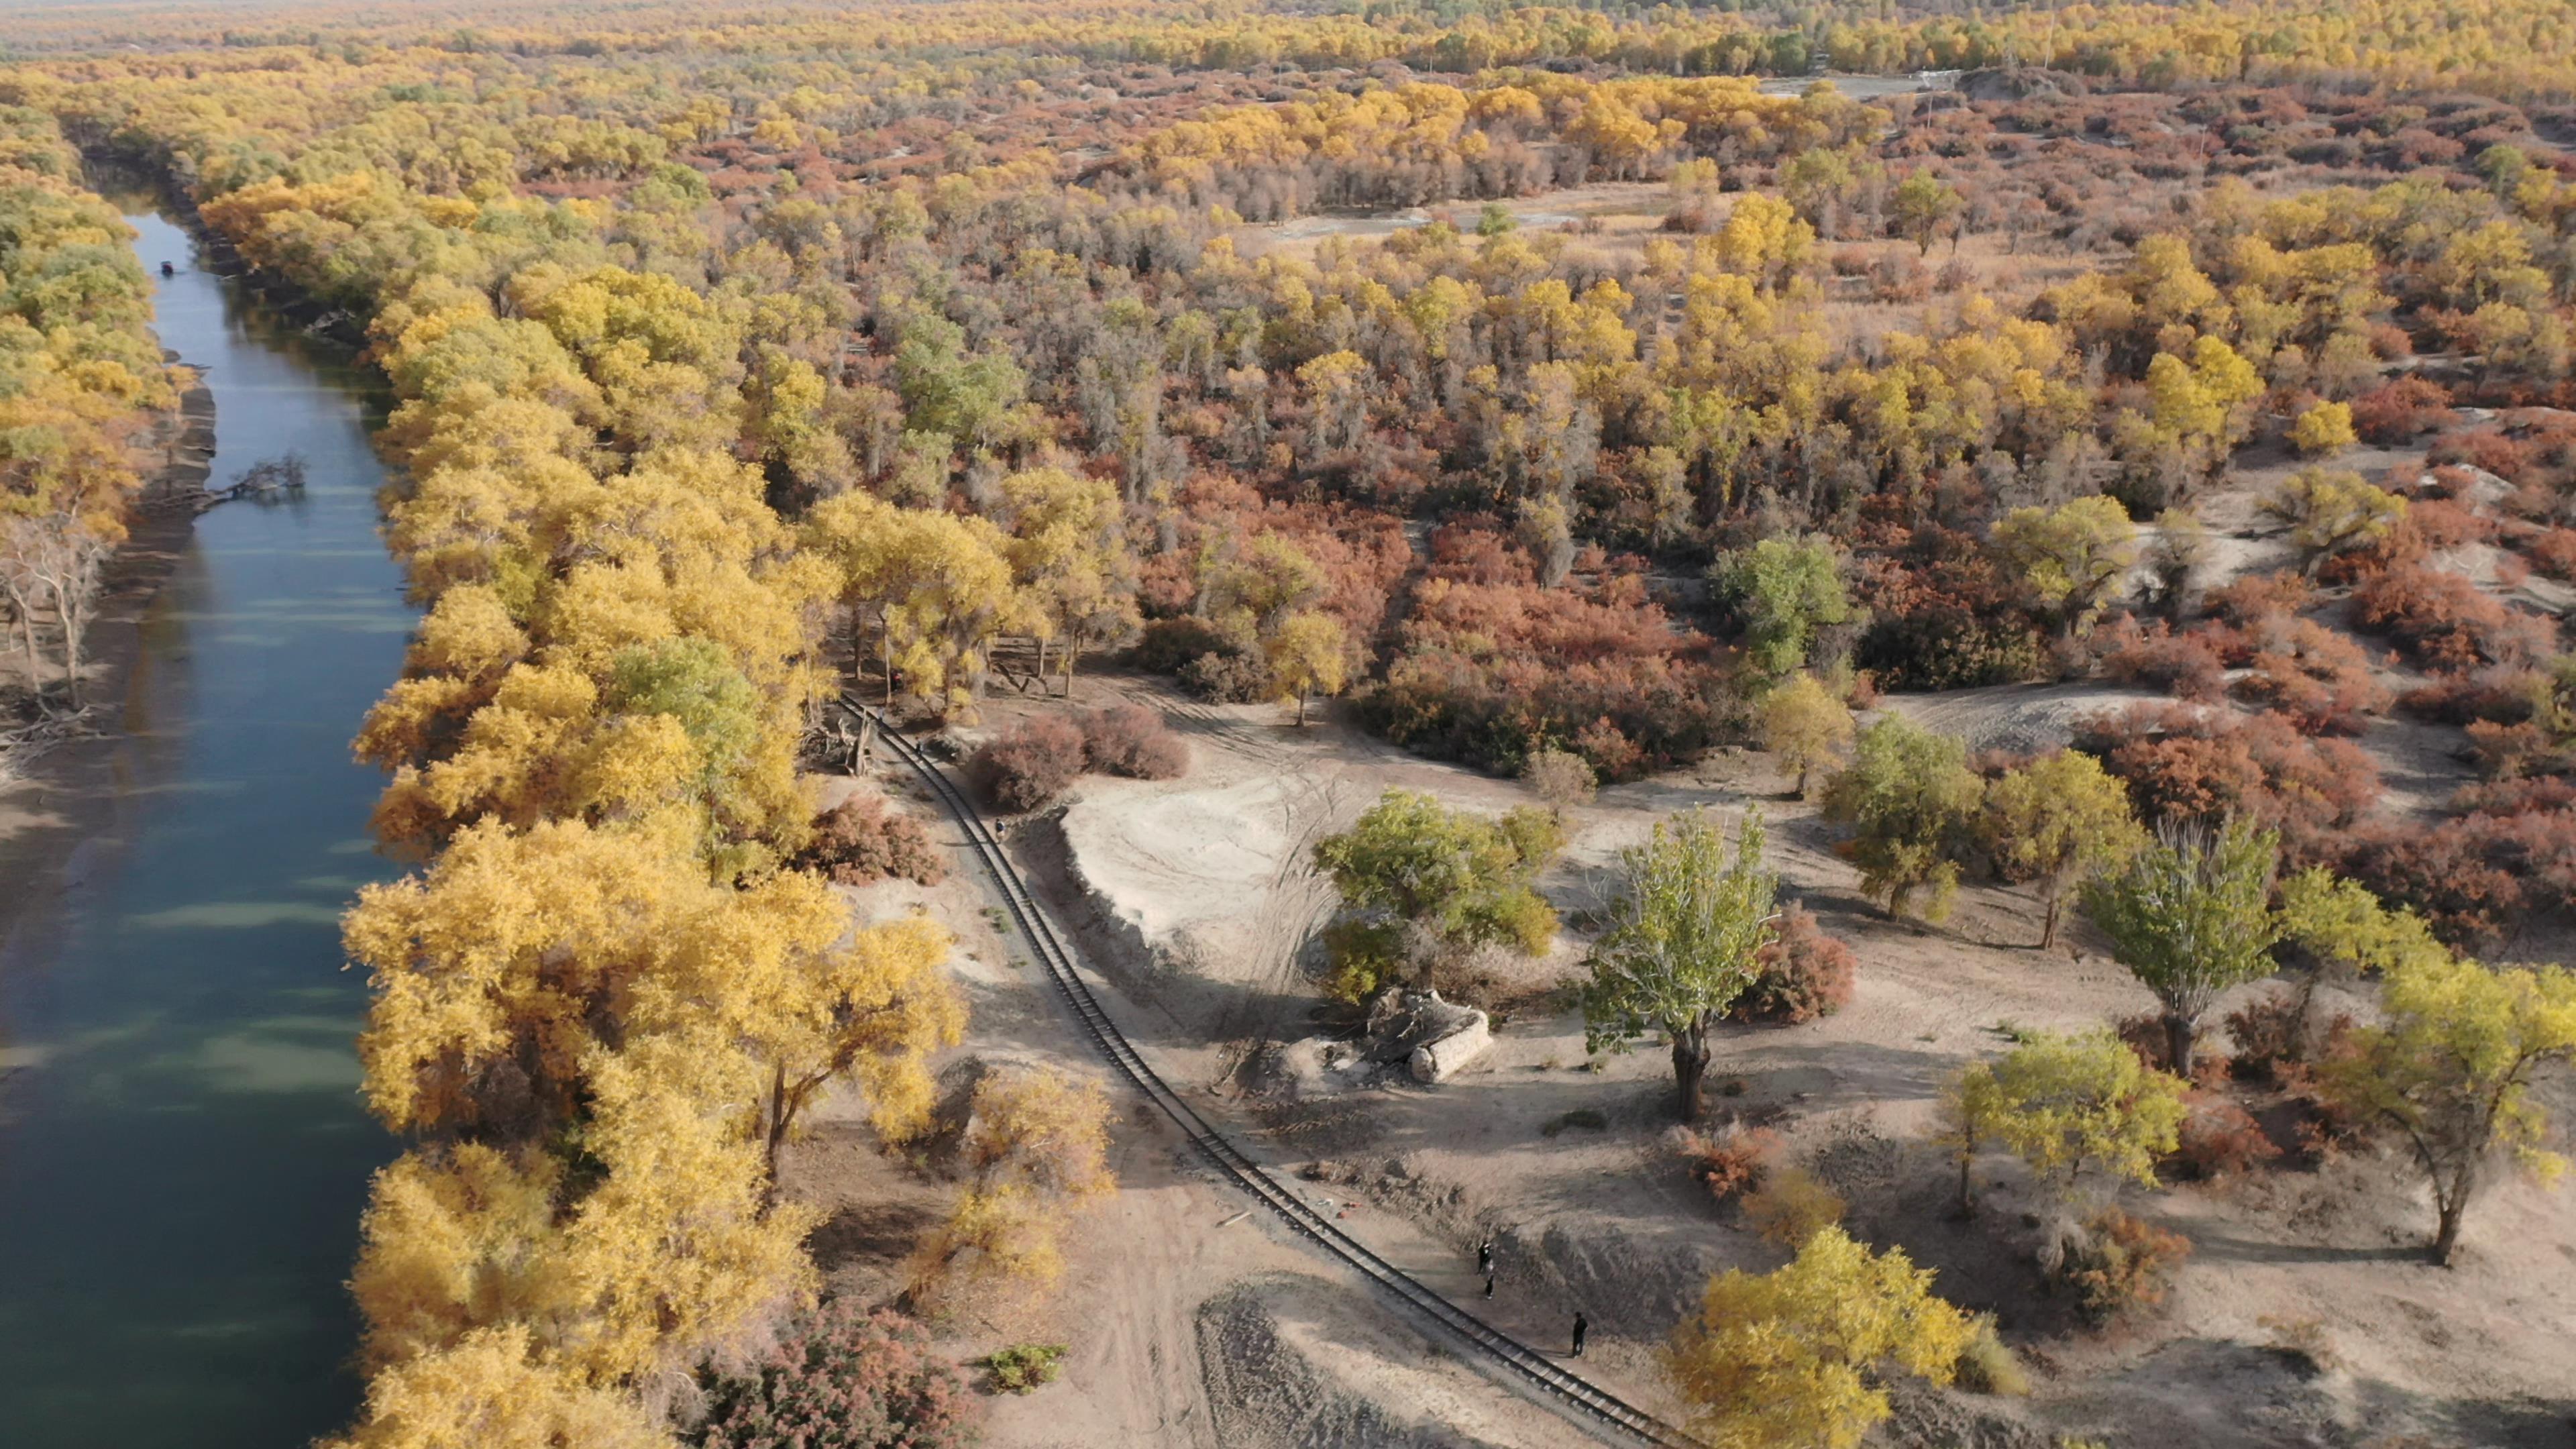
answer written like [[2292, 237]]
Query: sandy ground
[[1191, 1321], [59, 804]]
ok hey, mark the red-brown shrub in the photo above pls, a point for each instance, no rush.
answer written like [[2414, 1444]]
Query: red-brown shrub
[[2257, 595], [1728, 1161], [860, 841], [2445, 524], [2121, 1264], [2442, 621], [2484, 448], [1491, 667], [1029, 764], [1801, 974], [2189, 664], [2183, 763], [2474, 877], [2553, 552], [845, 1379], [1130, 740], [2222, 1139], [2495, 695], [2401, 410], [2319, 679]]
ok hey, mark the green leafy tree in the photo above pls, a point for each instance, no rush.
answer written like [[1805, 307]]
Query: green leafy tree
[[2452, 1070], [1798, 1358], [1785, 589], [1919, 206], [1911, 796], [1691, 916], [2066, 1105], [2191, 917], [1449, 879], [2056, 821], [2344, 927]]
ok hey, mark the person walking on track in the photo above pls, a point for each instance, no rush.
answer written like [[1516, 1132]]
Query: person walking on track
[[1581, 1326]]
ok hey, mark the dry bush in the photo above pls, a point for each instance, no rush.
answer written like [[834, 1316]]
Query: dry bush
[[2147, 1035], [842, 1378], [2441, 620], [1562, 778], [1990, 1366], [1791, 1206], [2305, 1342], [1229, 674], [1131, 740], [1036, 1149], [1728, 1161], [2221, 1139], [1800, 974], [2183, 764], [2190, 664], [859, 842], [2119, 1264], [2399, 411], [2553, 552], [2257, 596], [1028, 765]]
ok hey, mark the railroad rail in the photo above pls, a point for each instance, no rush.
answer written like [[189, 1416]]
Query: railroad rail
[[1534, 1368]]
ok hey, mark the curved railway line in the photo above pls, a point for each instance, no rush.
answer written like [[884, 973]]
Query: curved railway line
[[1533, 1369]]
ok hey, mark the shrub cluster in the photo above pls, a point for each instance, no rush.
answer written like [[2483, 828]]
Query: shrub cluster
[[860, 841], [1730, 1161], [844, 1379], [2221, 1139], [1490, 668], [1801, 973], [2184, 763], [1028, 764], [1131, 740], [2119, 1264]]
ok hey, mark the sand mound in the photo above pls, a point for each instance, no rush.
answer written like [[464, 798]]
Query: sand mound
[[2023, 718], [1295, 1362]]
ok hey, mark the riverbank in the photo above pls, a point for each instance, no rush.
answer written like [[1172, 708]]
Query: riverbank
[[59, 798]]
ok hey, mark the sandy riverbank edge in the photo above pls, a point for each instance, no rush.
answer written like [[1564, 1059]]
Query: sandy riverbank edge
[[66, 800]]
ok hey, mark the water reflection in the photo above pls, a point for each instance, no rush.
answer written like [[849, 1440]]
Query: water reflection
[[182, 1150]]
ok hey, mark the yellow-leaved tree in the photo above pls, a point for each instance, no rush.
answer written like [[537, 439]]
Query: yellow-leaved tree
[[1036, 1150], [1068, 554], [486, 1391], [936, 587], [1795, 1358]]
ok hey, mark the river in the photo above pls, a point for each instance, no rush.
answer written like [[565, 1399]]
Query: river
[[183, 1154]]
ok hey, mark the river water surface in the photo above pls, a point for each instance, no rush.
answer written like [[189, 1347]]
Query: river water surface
[[183, 1154]]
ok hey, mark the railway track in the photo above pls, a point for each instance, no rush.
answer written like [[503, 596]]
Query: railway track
[[1533, 1368]]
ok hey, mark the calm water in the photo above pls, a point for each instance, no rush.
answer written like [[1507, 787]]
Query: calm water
[[183, 1163]]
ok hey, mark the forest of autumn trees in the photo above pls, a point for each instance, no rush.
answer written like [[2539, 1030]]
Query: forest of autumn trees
[[82, 391], [937, 349]]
